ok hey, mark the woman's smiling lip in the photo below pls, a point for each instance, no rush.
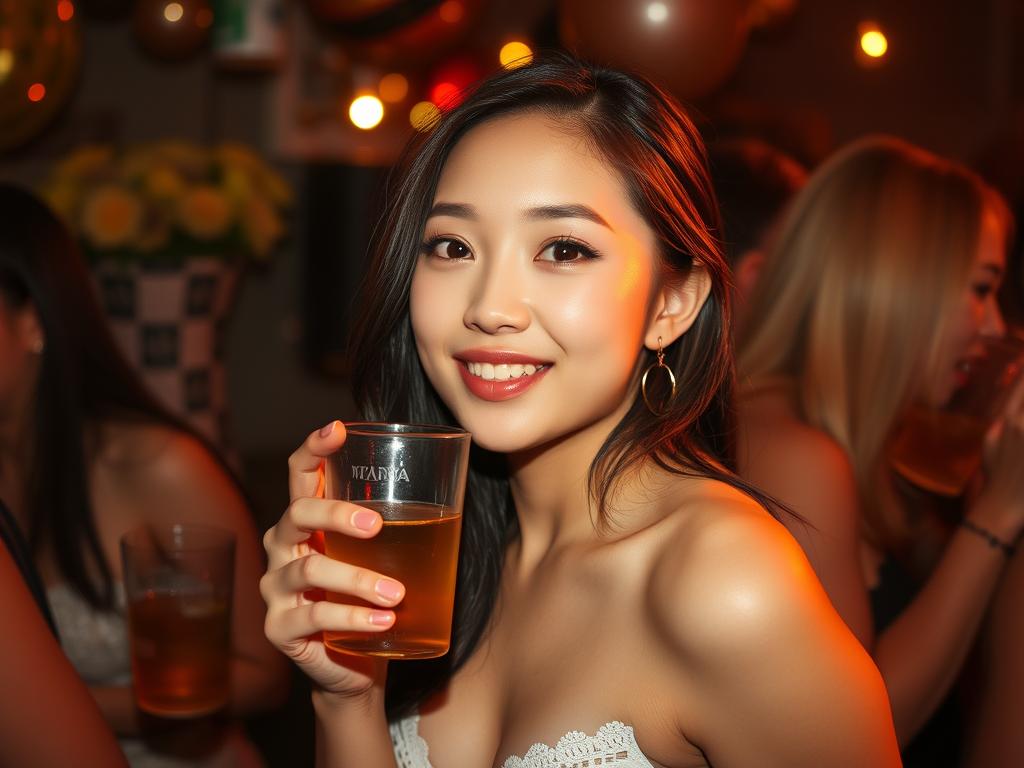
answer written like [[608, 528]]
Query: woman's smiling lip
[[496, 390]]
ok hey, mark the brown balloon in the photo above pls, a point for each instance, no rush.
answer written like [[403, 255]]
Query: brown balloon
[[172, 29], [689, 47], [40, 58]]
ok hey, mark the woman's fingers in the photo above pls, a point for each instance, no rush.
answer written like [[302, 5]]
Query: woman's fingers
[[285, 627], [305, 516], [305, 476], [316, 571]]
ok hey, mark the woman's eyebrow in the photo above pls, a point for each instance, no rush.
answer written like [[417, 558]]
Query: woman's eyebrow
[[566, 211]]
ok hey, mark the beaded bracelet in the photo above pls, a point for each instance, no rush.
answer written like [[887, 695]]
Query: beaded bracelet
[[991, 539]]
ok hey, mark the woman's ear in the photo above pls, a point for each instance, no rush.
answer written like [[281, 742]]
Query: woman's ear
[[676, 307], [30, 330]]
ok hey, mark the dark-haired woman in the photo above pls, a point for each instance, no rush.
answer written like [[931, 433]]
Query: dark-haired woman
[[622, 598], [86, 454]]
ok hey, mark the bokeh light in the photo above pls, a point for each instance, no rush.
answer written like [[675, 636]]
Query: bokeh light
[[36, 92], [6, 63], [451, 11], [366, 112], [515, 54], [173, 12], [65, 10], [393, 87], [874, 43], [657, 13], [423, 115], [444, 93]]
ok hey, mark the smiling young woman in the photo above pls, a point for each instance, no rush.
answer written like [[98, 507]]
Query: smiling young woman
[[621, 594]]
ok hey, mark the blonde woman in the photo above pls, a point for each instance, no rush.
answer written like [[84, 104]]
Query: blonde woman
[[885, 270]]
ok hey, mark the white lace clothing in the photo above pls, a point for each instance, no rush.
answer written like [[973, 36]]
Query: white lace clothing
[[96, 643], [614, 744]]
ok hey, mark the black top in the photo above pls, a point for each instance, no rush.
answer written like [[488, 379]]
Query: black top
[[15, 542]]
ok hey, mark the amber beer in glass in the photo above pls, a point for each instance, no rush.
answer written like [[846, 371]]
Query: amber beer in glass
[[414, 476], [940, 449], [178, 586]]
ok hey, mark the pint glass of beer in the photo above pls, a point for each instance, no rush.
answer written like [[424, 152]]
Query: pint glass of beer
[[939, 449], [414, 476], [178, 582]]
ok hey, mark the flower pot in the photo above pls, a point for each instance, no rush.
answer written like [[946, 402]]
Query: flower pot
[[168, 319]]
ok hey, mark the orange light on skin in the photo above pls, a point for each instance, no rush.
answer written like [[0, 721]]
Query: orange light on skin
[[393, 88], [174, 12], [515, 54], [451, 11], [65, 10], [36, 92], [366, 112]]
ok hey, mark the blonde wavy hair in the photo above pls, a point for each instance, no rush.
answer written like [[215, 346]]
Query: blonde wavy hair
[[854, 299]]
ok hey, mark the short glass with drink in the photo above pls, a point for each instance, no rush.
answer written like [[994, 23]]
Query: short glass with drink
[[414, 476], [939, 449], [178, 583]]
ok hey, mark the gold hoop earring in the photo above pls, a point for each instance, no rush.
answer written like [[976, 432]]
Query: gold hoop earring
[[671, 378]]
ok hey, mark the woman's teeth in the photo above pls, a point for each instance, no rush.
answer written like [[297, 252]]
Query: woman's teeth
[[490, 372]]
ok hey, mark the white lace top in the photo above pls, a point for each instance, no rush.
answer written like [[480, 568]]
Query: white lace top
[[613, 744]]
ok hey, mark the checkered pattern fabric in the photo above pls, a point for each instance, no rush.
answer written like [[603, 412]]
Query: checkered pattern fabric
[[169, 322]]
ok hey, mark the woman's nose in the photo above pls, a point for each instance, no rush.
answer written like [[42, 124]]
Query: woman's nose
[[993, 323], [497, 303]]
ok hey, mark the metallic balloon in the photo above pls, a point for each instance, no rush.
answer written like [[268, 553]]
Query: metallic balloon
[[40, 57], [172, 29], [688, 47]]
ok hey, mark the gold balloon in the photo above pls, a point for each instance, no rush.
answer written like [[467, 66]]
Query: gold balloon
[[688, 47], [40, 54], [172, 29]]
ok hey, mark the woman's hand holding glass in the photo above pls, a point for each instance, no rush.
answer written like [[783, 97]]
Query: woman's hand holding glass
[[298, 573], [1000, 505]]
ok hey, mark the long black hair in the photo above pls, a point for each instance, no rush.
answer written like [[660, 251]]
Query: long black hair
[[645, 135], [83, 380]]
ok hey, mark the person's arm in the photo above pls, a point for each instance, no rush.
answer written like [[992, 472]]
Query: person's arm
[[47, 716], [996, 738], [811, 474], [184, 483], [780, 679]]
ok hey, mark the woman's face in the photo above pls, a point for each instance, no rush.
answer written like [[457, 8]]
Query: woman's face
[[978, 313], [536, 286]]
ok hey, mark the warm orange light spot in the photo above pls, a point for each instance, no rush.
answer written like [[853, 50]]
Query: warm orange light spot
[[515, 54], [366, 112], [6, 63], [451, 11], [874, 44], [443, 93], [423, 115], [204, 18], [173, 12], [393, 87], [65, 10], [36, 92]]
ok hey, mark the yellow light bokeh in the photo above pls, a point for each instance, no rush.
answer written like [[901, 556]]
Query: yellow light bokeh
[[173, 12], [393, 87], [423, 115], [874, 43], [6, 63], [515, 54], [366, 112]]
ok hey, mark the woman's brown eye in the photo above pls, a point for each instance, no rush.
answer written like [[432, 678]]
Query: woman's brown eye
[[566, 252], [456, 250]]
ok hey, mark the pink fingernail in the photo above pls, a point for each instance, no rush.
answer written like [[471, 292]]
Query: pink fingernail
[[388, 589], [381, 618], [364, 520], [326, 431]]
